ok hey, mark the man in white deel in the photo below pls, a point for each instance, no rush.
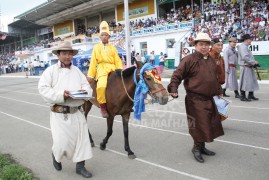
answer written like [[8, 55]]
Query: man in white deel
[[68, 124]]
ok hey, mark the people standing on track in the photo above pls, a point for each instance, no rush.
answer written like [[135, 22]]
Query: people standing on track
[[199, 72], [104, 60], [248, 79], [68, 124], [230, 56]]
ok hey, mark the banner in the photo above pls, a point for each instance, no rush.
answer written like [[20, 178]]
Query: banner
[[137, 9], [63, 28], [137, 12], [45, 30], [257, 48]]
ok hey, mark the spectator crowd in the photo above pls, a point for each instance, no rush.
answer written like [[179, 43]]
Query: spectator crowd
[[222, 20]]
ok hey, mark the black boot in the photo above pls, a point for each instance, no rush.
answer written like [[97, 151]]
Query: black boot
[[206, 151], [224, 94], [251, 96], [243, 96], [196, 150], [57, 165], [80, 169], [236, 94]]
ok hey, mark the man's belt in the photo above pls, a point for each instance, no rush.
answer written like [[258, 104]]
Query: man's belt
[[248, 66], [199, 96], [64, 109], [232, 65]]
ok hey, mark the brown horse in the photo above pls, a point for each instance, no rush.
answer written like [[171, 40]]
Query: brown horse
[[119, 96]]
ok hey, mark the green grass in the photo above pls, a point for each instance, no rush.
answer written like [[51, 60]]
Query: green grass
[[10, 170]]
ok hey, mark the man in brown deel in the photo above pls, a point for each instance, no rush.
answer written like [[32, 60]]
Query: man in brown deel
[[215, 54], [199, 72]]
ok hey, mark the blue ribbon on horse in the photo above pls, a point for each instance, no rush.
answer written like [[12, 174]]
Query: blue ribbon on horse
[[141, 91]]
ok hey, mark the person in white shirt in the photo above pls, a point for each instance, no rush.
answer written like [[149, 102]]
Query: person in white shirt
[[67, 121], [161, 59], [152, 58]]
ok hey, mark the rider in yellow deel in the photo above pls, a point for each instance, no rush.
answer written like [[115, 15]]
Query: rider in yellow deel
[[104, 59]]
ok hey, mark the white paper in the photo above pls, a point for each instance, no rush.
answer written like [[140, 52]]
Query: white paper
[[222, 105], [80, 95]]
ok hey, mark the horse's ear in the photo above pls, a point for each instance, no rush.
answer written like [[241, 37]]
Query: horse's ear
[[139, 64]]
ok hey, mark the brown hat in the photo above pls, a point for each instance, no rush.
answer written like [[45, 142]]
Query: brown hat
[[232, 39], [65, 46]]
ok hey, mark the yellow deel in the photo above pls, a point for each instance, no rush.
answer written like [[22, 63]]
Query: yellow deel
[[104, 60]]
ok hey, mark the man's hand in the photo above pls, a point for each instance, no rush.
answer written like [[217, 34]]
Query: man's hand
[[174, 95], [90, 80], [82, 90], [66, 94]]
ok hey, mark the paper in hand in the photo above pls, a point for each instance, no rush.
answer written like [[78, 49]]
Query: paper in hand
[[222, 105], [80, 95]]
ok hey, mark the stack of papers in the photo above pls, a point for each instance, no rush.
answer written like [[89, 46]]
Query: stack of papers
[[222, 105], [80, 95]]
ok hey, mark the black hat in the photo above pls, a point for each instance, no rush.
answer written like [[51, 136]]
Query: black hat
[[216, 40], [245, 37]]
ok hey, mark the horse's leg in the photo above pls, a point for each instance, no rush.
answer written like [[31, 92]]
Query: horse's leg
[[87, 107], [110, 121], [125, 121]]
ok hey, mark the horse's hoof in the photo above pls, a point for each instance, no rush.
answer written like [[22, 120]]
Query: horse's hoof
[[131, 156], [93, 144], [102, 147]]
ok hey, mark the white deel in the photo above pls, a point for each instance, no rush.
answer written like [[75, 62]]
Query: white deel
[[69, 131]]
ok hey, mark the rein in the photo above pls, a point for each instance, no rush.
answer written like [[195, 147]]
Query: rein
[[154, 92], [125, 86], [135, 81]]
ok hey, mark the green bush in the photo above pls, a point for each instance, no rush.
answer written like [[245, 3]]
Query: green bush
[[4, 161], [10, 170], [15, 172]]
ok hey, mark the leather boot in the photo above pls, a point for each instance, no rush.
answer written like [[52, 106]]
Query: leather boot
[[252, 97], [196, 150], [224, 93], [243, 96], [80, 169], [57, 165], [236, 94], [104, 110], [206, 151]]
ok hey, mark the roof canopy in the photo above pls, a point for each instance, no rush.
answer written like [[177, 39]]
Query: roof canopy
[[56, 11]]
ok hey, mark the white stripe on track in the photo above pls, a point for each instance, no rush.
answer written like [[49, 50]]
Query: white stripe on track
[[246, 107], [185, 134], [147, 127], [24, 101], [119, 153], [15, 117], [234, 106], [22, 92], [159, 166]]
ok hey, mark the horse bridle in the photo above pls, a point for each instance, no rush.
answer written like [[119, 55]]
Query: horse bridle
[[156, 91], [150, 92]]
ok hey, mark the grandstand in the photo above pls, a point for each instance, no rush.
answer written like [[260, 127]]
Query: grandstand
[[41, 28]]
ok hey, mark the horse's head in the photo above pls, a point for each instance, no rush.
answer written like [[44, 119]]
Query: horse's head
[[153, 80]]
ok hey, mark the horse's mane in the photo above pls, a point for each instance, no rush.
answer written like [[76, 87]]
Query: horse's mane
[[126, 72]]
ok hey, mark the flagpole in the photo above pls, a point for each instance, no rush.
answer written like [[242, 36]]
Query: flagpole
[[127, 33], [191, 6]]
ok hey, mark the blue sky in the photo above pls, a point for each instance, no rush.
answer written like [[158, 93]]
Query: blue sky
[[12, 8]]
